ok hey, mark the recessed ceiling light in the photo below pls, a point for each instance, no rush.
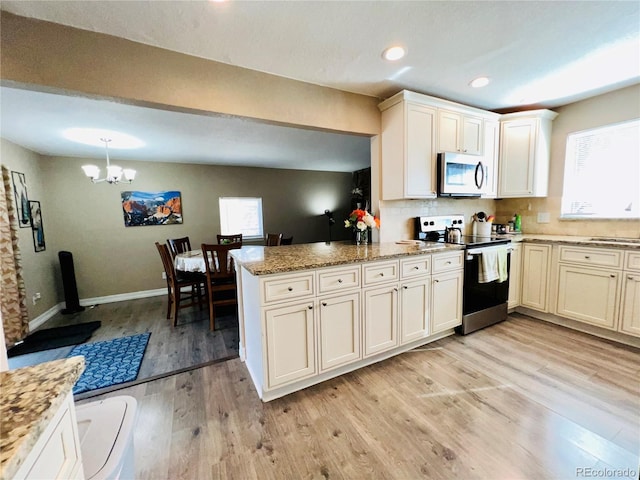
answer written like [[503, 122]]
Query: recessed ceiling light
[[94, 136], [480, 82], [393, 53]]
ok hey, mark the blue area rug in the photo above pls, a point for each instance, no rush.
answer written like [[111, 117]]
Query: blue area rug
[[110, 362]]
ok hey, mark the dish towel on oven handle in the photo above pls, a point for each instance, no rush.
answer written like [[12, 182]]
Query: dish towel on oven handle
[[493, 265]]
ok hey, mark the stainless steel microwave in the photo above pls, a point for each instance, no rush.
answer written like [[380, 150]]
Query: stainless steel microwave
[[461, 175]]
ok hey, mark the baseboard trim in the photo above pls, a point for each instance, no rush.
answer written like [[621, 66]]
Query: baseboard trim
[[86, 302]]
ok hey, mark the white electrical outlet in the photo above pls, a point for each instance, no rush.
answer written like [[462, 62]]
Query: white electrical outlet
[[36, 297], [164, 275], [544, 217]]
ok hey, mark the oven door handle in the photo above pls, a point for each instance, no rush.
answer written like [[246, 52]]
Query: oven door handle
[[478, 251]]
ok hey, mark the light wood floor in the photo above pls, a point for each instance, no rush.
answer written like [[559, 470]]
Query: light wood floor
[[519, 400], [169, 349]]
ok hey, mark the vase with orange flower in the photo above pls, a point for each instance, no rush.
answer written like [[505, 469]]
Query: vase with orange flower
[[361, 221]]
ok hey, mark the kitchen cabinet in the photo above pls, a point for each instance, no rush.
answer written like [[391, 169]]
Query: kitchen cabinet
[[459, 132], [588, 294], [306, 326], [446, 291], [339, 330], [380, 319], [630, 305], [535, 276], [491, 157], [56, 454], [290, 343], [408, 151], [515, 275], [525, 142]]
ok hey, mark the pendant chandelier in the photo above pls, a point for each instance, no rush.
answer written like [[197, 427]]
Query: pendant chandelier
[[114, 173]]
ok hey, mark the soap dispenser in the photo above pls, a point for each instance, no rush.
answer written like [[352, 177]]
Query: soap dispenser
[[517, 222]]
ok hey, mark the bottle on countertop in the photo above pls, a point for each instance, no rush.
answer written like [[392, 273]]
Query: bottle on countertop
[[517, 222]]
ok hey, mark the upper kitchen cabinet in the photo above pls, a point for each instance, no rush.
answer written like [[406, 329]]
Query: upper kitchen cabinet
[[408, 164], [459, 132], [524, 153], [414, 128]]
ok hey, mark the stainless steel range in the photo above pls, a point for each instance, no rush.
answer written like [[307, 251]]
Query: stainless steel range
[[484, 302]]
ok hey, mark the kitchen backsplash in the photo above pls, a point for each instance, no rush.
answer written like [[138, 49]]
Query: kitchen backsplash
[[397, 217]]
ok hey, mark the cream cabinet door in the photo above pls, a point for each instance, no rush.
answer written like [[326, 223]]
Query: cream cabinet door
[[630, 311], [588, 294], [290, 343], [420, 166], [415, 309], [535, 276], [515, 275], [446, 300], [339, 330], [517, 156], [491, 149], [460, 133], [380, 319]]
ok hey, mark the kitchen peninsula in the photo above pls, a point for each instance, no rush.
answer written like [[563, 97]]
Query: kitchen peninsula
[[312, 312]]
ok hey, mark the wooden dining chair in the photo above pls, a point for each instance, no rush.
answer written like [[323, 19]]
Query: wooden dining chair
[[221, 277], [273, 239], [176, 282], [286, 241], [178, 245], [225, 239]]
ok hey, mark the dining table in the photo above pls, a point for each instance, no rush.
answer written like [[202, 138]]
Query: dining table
[[191, 261]]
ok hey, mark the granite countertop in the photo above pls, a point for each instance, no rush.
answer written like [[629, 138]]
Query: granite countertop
[[609, 242], [259, 260], [29, 399]]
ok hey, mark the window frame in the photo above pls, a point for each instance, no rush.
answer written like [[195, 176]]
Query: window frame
[[570, 170], [225, 226]]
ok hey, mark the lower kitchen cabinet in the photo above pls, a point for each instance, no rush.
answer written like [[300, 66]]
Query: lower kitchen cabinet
[[535, 277], [588, 295], [290, 342], [515, 275], [415, 309], [630, 311], [380, 319], [339, 330], [446, 300]]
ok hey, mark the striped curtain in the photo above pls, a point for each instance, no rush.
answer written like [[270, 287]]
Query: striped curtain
[[13, 305]]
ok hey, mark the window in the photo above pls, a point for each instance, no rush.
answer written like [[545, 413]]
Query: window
[[602, 172], [241, 215]]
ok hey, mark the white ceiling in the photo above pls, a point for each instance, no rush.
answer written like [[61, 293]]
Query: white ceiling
[[537, 53]]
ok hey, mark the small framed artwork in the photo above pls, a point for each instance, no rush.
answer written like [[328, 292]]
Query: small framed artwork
[[22, 199], [37, 227], [151, 208]]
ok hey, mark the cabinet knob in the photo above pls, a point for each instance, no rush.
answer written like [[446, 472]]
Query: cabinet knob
[[436, 281], [395, 289], [405, 287], [613, 276], [324, 304], [310, 307], [448, 263], [382, 274], [339, 280], [416, 268], [587, 257], [630, 277], [290, 289]]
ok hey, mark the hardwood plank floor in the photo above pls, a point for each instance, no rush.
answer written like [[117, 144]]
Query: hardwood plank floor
[[169, 349], [522, 399]]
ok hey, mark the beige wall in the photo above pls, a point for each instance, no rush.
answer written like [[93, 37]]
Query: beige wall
[[617, 106], [109, 258], [40, 268], [51, 57]]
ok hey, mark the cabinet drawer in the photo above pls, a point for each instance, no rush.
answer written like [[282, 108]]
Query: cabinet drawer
[[591, 256], [287, 287], [338, 279], [415, 267], [447, 262], [375, 273], [632, 261]]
